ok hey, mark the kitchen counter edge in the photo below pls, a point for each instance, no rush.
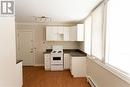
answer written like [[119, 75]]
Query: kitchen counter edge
[[72, 52], [18, 61]]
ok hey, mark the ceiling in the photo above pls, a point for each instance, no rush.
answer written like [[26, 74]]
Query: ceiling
[[60, 11]]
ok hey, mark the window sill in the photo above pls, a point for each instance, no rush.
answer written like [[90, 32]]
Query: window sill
[[113, 70]]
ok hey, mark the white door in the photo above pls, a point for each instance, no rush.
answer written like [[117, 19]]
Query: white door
[[25, 47]]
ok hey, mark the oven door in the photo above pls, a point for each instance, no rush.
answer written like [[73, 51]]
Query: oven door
[[56, 59]]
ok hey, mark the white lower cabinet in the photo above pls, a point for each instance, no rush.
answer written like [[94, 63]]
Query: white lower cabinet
[[78, 66], [66, 61], [19, 74], [47, 61]]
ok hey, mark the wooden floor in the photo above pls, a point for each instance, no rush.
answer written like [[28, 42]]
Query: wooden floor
[[38, 77]]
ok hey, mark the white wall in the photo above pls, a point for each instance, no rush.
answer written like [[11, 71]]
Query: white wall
[[65, 44], [40, 41], [101, 76], [7, 52], [81, 45]]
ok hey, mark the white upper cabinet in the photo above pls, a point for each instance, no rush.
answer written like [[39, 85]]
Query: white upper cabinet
[[66, 33], [62, 33], [80, 32], [77, 32], [51, 33], [60, 30], [73, 33], [57, 33]]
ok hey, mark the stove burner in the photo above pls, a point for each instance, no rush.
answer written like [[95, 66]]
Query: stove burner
[[59, 51], [54, 52]]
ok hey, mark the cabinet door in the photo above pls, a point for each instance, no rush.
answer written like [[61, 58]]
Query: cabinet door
[[60, 30], [73, 33], [80, 32], [78, 66], [19, 74], [47, 61], [51, 33], [60, 33], [66, 33], [66, 61]]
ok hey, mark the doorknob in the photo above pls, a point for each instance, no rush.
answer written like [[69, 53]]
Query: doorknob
[[31, 51]]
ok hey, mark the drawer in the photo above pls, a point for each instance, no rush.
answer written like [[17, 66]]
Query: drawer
[[47, 67], [47, 64], [47, 58], [47, 55], [47, 61]]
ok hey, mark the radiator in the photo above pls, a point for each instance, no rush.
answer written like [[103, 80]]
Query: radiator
[[91, 82]]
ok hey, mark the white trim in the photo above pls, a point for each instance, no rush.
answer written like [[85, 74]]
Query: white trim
[[39, 65], [92, 81], [33, 36], [46, 24], [113, 70]]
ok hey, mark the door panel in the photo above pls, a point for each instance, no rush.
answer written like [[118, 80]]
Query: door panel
[[25, 47]]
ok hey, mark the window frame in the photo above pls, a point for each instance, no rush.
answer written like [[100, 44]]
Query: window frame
[[118, 72], [121, 74], [103, 27]]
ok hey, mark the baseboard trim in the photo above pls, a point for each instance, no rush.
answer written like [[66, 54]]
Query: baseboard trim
[[90, 81], [39, 65]]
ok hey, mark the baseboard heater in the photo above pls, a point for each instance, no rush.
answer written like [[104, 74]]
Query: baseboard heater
[[91, 82]]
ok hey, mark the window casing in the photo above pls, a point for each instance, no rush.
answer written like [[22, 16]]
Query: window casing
[[107, 37], [88, 25], [117, 34], [97, 33]]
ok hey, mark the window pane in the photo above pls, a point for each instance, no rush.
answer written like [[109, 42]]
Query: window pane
[[97, 32], [88, 35], [118, 34]]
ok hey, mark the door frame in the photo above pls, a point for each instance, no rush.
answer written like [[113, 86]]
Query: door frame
[[33, 42]]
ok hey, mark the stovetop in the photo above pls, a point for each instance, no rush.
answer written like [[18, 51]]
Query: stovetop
[[57, 51]]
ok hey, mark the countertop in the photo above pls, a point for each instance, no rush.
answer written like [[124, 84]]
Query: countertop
[[18, 61], [72, 52]]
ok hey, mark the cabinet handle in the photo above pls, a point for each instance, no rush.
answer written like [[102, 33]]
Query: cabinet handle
[[31, 51]]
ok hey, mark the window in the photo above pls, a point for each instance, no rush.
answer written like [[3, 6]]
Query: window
[[118, 34], [87, 46], [97, 32], [94, 33], [114, 37]]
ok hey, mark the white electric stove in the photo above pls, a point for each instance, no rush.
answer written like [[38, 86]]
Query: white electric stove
[[57, 58]]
